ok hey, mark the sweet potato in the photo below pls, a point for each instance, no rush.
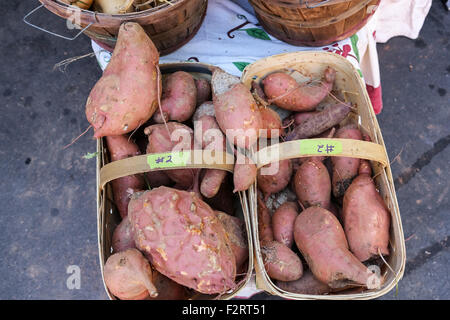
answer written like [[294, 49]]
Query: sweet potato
[[120, 147], [183, 239], [168, 289], [128, 276], [271, 122], [321, 240], [159, 141], [300, 117], [179, 98], [224, 200], [364, 167], [265, 231], [345, 169], [238, 116], [156, 179], [276, 182], [366, 219], [286, 93], [320, 122], [244, 174], [280, 262], [307, 284], [123, 236], [312, 184], [235, 229], [203, 91], [283, 223], [126, 95], [208, 136]]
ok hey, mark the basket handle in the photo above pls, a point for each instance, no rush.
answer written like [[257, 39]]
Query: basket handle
[[194, 159], [51, 32], [322, 147]]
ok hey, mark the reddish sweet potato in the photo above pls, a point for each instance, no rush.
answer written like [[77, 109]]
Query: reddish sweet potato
[[224, 199], [271, 122], [265, 231], [301, 117], [321, 240], [203, 91], [320, 122], [128, 276], [280, 262], [237, 234], [123, 237], [120, 147], [273, 183], [179, 98], [159, 140], [364, 167], [126, 95], [307, 284], [208, 136], [168, 289], [312, 184], [344, 169], [283, 223], [183, 239], [238, 116], [244, 174], [286, 93], [366, 219], [156, 179]]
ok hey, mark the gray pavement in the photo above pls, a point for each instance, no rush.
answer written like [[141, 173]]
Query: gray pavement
[[47, 194]]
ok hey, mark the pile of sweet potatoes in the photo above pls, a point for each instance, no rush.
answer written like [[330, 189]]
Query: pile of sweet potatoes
[[182, 232], [321, 220]]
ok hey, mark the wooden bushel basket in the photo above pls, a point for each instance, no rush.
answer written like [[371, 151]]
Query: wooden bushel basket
[[313, 22], [108, 216], [349, 83], [170, 26]]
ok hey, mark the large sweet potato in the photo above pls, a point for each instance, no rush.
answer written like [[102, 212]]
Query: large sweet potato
[[183, 239], [128, 275], [271, 122], [321, 240], [238, 116], [345, 169], [121, 147], [312, 184], [366, 219], [126, 95], [284, 91], [179, 98]]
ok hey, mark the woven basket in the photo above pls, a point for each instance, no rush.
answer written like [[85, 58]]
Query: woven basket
[[313, 22], [350, 84], [169, 26], [108, 216]]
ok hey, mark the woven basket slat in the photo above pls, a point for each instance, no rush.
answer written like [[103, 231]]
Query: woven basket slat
[[295, 23]]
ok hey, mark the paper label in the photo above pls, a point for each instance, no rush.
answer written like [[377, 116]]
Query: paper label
[[168, 160], [320, 147]]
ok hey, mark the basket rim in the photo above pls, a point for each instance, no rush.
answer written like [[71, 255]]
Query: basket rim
[[130, 15]]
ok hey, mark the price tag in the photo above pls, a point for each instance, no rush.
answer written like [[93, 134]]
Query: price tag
[[168, 160], [320, 147]]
